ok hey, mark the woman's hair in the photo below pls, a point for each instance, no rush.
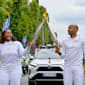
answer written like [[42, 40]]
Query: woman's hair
[[2, 39]]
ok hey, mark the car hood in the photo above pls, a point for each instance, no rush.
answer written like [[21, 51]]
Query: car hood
[[57, 61], [47, 61]]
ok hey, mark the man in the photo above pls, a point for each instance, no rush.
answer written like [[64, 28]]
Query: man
[[73, 49]]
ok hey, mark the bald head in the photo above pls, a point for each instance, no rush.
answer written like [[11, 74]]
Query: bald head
[[73, 26], [72, 29]]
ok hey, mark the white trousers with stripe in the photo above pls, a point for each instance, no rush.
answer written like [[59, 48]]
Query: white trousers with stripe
[[73, 74], [10, 77]]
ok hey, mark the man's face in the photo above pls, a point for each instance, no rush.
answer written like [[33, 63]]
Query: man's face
[[72, 30]]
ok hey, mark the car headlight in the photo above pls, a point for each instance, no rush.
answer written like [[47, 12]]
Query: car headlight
[[32, 68], [33, 65]]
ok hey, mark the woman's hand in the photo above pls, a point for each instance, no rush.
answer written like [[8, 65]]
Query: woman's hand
[[30, 44]]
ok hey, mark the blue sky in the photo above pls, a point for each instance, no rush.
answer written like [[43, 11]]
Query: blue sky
[[65, 12]]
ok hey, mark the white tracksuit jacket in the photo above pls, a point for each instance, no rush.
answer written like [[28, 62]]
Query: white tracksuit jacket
[[73, 50], [10, 69]]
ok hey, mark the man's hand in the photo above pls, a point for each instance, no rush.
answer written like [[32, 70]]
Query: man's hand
[[58, 49]]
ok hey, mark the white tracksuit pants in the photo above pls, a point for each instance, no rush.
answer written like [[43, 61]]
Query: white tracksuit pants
[[73, 73], [10, 77]]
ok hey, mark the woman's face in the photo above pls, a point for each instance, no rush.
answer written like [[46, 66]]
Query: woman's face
[[8, 35]]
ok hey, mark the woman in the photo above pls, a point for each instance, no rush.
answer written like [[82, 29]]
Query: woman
[[10, 51]]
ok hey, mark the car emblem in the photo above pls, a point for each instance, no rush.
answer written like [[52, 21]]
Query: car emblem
[[49, 67]]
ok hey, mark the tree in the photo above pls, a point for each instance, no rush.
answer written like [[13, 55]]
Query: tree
[[25, 17]]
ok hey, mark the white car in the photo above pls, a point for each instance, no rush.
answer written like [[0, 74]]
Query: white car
[[46, 67]]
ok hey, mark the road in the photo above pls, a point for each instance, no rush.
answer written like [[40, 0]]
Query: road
[[24, 80]]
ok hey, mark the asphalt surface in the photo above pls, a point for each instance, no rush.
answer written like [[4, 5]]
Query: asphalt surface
[[24, 80]]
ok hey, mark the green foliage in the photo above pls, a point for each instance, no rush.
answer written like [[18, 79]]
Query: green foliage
[[25, 18]]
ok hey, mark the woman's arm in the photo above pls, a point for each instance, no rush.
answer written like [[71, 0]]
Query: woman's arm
[[22, 51]]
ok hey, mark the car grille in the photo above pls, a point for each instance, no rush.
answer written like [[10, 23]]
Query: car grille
[[49, 69]]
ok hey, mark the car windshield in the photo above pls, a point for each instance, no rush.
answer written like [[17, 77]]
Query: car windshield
[[47, 54]]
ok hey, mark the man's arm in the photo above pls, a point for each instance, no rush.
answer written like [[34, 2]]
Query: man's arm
[[61, 51], [83, 48]]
